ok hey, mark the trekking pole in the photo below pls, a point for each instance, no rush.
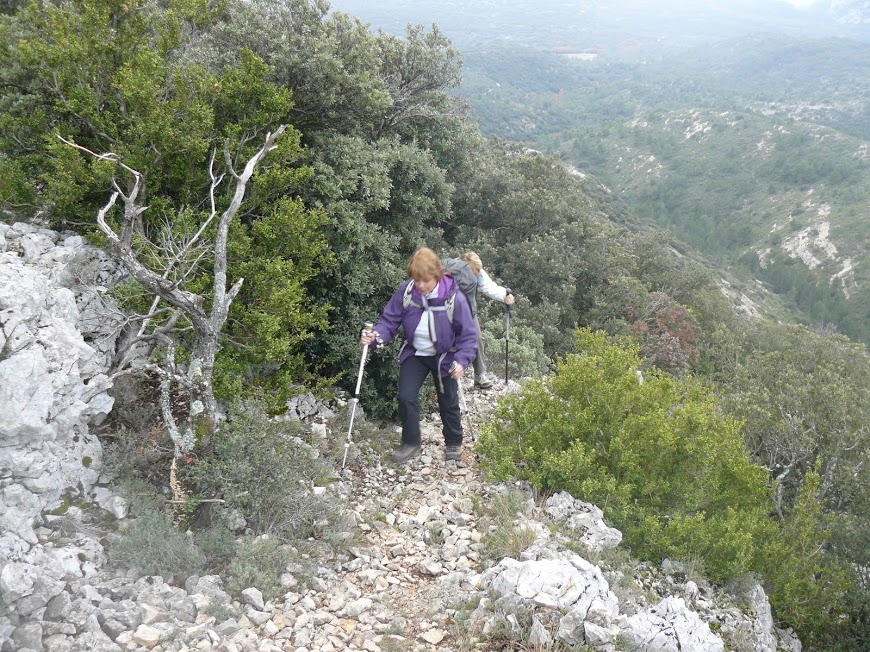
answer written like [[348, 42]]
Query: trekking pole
[[353, 402], [507, 334]]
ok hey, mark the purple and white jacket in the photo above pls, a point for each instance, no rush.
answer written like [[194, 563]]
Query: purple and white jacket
[[456, 341]]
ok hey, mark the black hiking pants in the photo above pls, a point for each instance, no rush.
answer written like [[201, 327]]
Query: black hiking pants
[[412, 374]]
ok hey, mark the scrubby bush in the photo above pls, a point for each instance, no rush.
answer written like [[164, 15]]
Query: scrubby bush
[[262, 468], [525, 348], [153, 546], [808, 586], [260, 563], [136, 447], [669, 470], [218, 545], [505, 533], [141, 495]]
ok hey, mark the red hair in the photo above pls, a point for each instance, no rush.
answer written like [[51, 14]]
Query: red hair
[[424, 264]]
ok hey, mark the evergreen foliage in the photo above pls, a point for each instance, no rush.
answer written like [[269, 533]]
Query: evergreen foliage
[[108, 76], [806, 584], [259, 562], [803, 398], [153, 546], [671, 472]]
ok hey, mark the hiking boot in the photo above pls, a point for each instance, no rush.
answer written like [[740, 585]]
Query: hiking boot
[[405, 452], [453, 453], [483, 383]]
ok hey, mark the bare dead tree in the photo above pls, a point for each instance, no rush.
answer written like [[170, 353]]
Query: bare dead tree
[[186, 309]]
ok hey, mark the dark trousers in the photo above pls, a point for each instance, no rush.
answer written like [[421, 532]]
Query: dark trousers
[[412, 374]]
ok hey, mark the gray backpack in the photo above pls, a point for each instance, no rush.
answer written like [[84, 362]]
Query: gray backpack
[[465, 279]]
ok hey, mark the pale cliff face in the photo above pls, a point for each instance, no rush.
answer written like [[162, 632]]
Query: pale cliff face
[[53, 383]]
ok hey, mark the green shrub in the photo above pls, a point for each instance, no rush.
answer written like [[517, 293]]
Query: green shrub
[[261, 468], [143, 455], [138, 446], [153, 546], [507, 540], [526, 356], [142, 496], [807, 586], [135, 408], [667, 468], [258, 562], [673, 474], [218, 546]]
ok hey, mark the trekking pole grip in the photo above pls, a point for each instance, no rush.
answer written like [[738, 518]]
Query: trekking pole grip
[[368, 327]]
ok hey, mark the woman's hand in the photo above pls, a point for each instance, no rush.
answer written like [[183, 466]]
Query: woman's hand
[[367, 338], [456, 370]]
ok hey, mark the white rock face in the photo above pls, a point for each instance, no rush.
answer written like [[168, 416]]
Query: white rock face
[[16, 581], [53, 381], [585, 518], [670, 626], [811, 244], [560, 581], [759, 625]]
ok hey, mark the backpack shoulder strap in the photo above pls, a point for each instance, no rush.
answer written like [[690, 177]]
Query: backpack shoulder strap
[[448, 306], [406, 297]]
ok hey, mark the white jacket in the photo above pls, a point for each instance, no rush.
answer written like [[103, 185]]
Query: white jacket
[[489, 287]]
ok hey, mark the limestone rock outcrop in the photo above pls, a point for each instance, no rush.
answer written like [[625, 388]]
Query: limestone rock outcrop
[[56, 343]]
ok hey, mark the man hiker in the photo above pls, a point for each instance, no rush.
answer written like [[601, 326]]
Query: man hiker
[[490, 288], [440, 338]]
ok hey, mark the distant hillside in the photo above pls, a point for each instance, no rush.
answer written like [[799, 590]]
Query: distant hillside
[[821, 80], [754, 151]]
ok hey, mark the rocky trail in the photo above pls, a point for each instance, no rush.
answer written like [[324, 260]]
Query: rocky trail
[[412, 577], [422, 541], [413, 552]]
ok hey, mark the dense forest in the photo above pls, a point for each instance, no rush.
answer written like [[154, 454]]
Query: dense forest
[[747, 447]]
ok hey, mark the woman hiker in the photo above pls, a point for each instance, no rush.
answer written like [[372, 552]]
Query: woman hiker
[[494, 291], [440, 338]]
